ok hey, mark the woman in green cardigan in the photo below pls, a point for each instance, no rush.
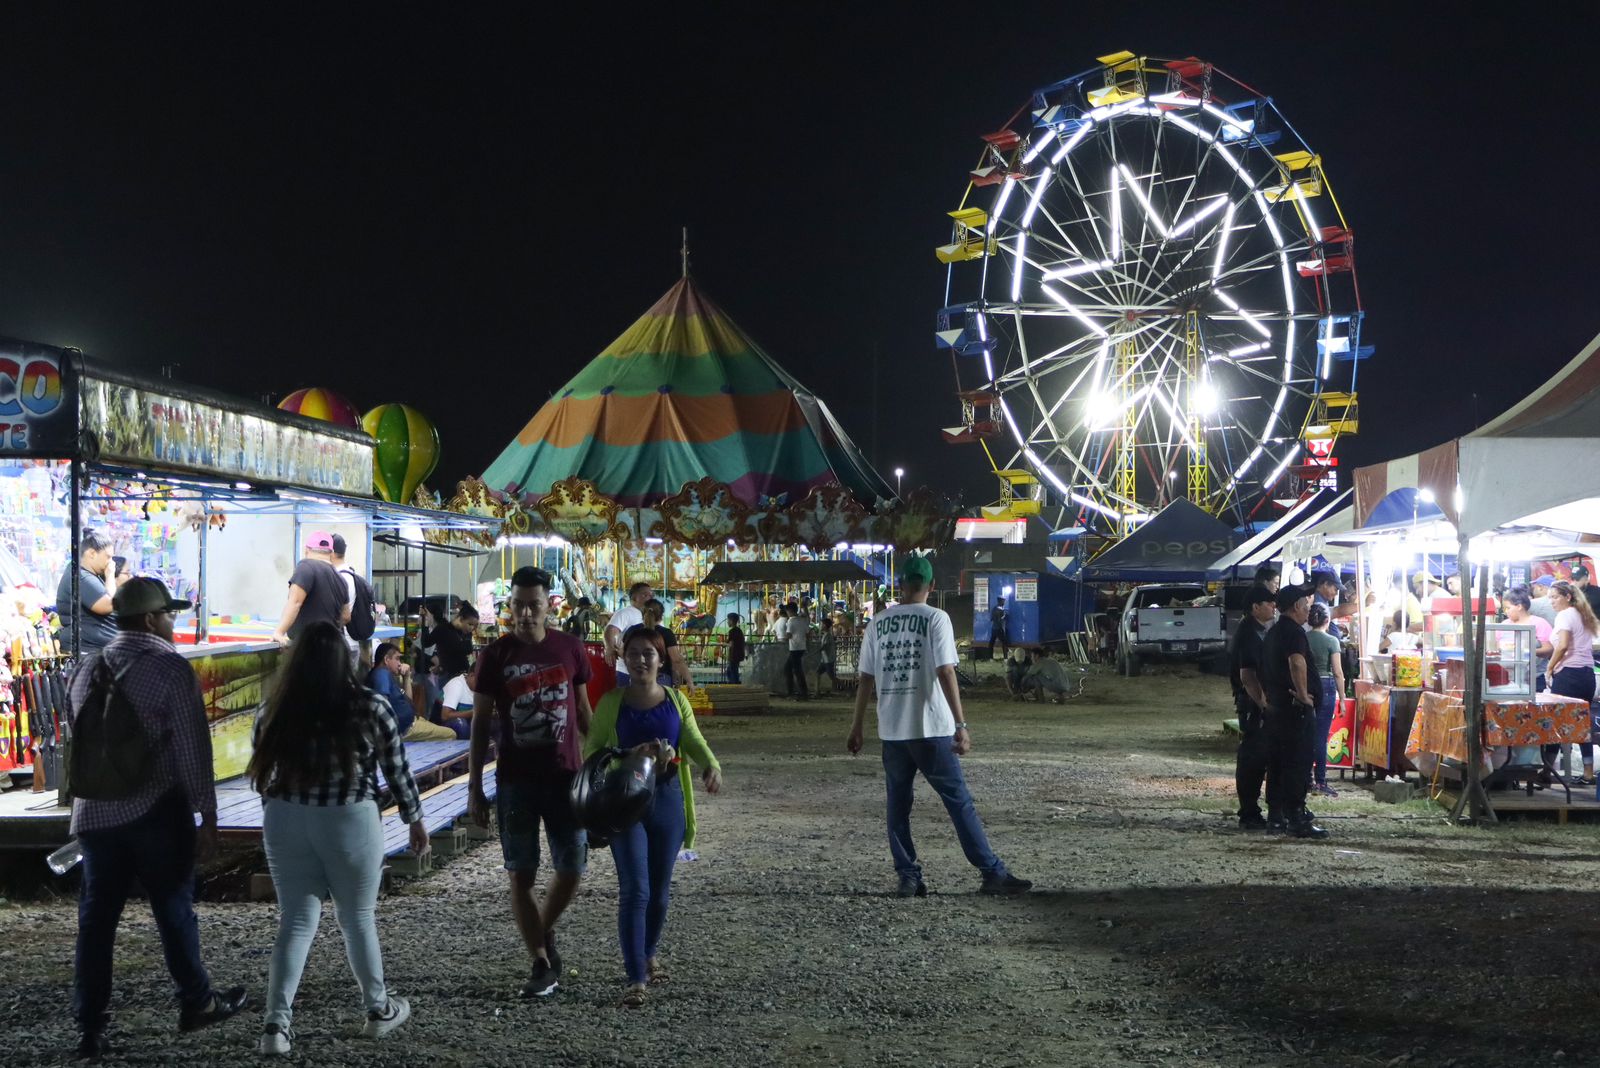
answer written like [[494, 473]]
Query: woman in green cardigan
[[658, 718]]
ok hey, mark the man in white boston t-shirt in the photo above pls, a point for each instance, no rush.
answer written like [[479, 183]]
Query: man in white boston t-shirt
[[908, 656]]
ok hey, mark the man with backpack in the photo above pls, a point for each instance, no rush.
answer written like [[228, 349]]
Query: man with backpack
[[363, 619], [316, 592], [141, 767]]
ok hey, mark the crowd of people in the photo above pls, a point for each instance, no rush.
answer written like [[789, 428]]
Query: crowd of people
[[327, 731]]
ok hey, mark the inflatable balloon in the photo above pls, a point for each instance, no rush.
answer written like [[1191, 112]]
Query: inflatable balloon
[[322, 404], [407, 452]]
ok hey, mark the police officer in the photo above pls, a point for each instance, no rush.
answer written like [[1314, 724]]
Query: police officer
[[1289, 678], [1250, 703]]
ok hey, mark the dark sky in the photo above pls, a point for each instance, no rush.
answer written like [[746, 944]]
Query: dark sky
[[459, 212]]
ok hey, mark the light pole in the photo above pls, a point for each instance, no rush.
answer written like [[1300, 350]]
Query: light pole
[[899, 473]]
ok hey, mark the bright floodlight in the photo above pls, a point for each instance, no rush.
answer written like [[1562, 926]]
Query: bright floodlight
[[1425, 495], [899, 472]]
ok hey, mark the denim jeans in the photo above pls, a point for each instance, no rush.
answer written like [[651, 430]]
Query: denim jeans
[[733, 673], [1572, 682], [314, 850], [1327, 702], [940, 766], [158, 850], [794, 673], [644, 855]]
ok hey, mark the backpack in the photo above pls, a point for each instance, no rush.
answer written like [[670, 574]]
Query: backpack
[[363, 620], [111, 757]]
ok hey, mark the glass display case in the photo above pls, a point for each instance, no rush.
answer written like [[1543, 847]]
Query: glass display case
[[1509, 662], [1441, 626]]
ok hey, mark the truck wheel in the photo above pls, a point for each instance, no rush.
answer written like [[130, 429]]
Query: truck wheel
[[1130, 664]]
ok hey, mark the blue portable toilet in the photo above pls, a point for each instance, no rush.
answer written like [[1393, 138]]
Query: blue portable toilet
[[1041, 608]]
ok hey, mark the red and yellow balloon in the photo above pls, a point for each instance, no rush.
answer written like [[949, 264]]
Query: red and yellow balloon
[[407, 451], [322, 404]]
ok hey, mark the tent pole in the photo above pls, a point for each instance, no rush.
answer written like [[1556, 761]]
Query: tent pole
[[1473, 804]]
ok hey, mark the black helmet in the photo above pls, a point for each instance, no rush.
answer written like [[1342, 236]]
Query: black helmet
[[612, 791]]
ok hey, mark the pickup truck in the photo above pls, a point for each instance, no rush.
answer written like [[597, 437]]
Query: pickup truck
[[1171, 622]]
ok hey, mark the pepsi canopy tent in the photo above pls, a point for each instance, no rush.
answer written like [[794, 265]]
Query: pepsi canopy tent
[[1178, 544], [685, 394]]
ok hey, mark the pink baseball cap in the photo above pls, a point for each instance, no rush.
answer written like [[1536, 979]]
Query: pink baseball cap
[[319, 541]]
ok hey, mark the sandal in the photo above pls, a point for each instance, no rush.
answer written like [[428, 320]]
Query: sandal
[[633, 999], [658, 974]]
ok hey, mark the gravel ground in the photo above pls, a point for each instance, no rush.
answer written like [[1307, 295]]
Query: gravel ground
[[1157, 935]]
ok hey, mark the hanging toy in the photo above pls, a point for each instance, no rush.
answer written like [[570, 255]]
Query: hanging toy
[[407, 450]]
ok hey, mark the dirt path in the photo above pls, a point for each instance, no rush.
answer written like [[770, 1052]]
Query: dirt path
[[1157, 936]]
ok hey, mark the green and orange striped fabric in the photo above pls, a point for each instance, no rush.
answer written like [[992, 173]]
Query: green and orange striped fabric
[[682, 394]]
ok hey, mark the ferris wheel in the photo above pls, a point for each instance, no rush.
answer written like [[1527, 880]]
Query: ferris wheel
[[1152, 294]]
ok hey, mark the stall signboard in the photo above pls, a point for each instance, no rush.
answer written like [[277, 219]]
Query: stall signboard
[[980, 590], [38, 400], [1027, 589], [1372, 725], [1341, 734], [140, 425]]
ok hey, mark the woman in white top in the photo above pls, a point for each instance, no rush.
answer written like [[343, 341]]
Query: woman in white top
[[1571, 669]]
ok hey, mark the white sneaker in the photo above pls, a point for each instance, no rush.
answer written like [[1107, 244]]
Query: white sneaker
[[275, 1041], [381, 1021]]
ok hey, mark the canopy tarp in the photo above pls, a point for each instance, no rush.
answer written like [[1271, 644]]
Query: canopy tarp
[[1266, 546], [1536, 457], [750, 572], [684, 394], [1177, 545]]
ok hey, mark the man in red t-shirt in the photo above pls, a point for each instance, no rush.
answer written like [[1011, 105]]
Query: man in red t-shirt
[[530, 691]]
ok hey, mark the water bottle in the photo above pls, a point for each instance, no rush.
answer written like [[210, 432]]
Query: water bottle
[[66, 858]]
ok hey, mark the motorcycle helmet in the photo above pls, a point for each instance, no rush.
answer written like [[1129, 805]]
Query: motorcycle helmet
[[612, 791]]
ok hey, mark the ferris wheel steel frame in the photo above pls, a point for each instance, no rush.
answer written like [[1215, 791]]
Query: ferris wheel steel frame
[[1155, 296]]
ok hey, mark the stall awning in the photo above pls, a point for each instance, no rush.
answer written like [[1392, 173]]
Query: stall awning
[[751, 572], [1177, 545], [1266, 546]]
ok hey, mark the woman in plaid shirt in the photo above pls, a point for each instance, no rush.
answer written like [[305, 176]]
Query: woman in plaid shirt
[[319, 743]]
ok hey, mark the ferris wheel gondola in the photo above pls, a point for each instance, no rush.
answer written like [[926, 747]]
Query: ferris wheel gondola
[[1152, 294]]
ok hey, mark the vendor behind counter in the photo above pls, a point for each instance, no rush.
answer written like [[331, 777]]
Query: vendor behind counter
[[97, 584]]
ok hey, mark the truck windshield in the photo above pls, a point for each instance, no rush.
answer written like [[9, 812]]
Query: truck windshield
[[1170, 596]]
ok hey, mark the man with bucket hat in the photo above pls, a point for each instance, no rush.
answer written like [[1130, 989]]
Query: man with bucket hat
[[149, 833], [908, 660]]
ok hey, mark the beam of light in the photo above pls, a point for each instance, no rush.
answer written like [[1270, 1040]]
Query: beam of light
[[1087, 503], [1087, 267], [1038, 195], [1206, 401], [1039, 146], [1246, 350], [1261, 327], [1249, 460], [1222, 243], [1000, 201], [1189, 127], [1179, 423], [1283, 466], [1144, 201], [1072, 142], [1016, 270], [1175, 99], [1116, 213], [1204, 213], [1240, 127], [983, 335], [1073, 311]]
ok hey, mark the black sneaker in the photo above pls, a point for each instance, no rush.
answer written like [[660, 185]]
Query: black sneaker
[[92, 1045], [1307, 829], [551, 953], [1252, 823], [911, 886], [214, 1010], [1005, 885], [542, 982]]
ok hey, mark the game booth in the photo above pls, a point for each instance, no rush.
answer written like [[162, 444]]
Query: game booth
[[212, 495]]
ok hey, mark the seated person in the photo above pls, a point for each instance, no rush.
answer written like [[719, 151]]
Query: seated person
[[1044, 675], [387, 679], [455, 710], [1016, 668]]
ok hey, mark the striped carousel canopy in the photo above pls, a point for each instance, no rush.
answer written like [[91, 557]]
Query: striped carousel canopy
[[683, 394]]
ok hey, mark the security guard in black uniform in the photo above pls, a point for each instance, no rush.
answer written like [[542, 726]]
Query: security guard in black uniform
[[1289, 678], [1249, 704]]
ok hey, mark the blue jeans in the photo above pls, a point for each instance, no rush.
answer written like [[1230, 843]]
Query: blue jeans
[[937, 761], [733, 673], [158, 850], [317, 850], [1327, 701], [644, 855]]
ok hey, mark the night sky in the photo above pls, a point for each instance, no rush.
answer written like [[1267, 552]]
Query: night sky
[[458, 213]]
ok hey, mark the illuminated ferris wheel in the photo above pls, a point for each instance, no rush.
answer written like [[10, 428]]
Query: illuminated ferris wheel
[[1151, 295]]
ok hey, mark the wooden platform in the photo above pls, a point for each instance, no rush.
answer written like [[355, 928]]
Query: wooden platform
[[730, 699], [1544, 804]]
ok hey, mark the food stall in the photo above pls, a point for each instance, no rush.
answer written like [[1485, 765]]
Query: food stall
[[208, 493]]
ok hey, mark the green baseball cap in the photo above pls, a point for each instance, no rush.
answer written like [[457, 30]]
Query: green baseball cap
[[916, 569]]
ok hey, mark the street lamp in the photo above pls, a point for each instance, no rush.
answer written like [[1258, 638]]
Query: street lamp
[[899, 473]]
